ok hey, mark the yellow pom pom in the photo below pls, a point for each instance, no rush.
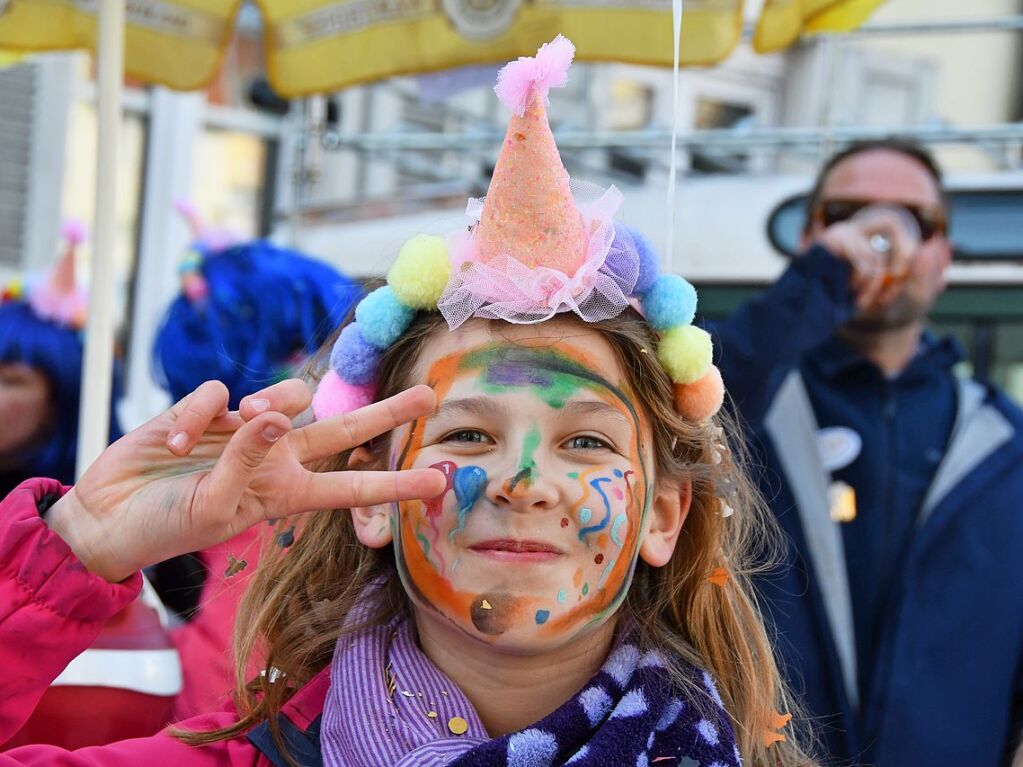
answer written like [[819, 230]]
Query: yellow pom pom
[[685, 351], [420, 273]]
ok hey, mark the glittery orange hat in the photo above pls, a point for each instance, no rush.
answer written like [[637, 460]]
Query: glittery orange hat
[[530, 213]]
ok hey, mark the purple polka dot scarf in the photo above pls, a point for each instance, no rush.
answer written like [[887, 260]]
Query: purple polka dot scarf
[[389, 705]]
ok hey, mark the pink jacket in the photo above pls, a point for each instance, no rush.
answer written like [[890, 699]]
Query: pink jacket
[[52, 608]]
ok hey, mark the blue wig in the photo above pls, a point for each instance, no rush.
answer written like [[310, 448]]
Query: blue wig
[[55, 351], [265, 307]]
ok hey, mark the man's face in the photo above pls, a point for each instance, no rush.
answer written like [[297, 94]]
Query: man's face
[[886, 176]]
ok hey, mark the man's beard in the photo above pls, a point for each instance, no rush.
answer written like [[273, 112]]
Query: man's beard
[[902, 311]]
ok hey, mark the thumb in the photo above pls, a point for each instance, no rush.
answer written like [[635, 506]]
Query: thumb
[[242, 458]]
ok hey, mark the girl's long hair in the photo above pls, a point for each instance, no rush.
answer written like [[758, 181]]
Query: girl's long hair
[[297, 603]]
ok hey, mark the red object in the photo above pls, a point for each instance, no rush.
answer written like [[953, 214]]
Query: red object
[[77, 715]]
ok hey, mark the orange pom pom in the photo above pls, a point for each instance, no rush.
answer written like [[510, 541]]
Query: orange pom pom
[[701, 399]]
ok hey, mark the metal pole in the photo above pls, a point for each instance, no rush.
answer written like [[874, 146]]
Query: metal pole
[[97, 369], [731, 139]]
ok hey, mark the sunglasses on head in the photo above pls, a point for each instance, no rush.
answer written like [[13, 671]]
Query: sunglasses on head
[[930, 220]]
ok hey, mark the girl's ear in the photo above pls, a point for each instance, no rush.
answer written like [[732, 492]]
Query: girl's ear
[[372, 523], [667, 515]]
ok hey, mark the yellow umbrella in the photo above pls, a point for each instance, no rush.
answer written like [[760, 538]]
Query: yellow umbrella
[[783, 21], [315, 46]]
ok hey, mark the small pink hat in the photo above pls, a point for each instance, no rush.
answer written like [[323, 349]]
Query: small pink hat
[[529, 212]]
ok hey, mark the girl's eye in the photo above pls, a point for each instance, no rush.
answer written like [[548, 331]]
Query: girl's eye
[[471, 436], [585, 442]]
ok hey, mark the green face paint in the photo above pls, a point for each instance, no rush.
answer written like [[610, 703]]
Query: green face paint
[[553, 377], [527, 464]]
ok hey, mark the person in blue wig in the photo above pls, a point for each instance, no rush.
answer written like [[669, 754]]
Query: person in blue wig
[[248, 314], [40, 373]]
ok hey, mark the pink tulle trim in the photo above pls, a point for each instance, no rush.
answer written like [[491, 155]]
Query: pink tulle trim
[[519, 79], [505, 289], [68, 309]]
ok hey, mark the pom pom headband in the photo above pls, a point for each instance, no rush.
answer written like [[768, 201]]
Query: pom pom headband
[[538, 246]]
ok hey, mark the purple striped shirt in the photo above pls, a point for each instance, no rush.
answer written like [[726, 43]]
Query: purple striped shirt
[[367, 725]]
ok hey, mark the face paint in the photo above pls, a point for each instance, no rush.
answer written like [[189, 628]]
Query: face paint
[[527, 464], [470, 483], [593, 530]]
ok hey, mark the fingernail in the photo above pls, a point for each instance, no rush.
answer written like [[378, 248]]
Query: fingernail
[[178, 440], [272, 433], [259, 405]]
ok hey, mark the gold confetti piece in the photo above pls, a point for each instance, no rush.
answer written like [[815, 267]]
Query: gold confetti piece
[[234, 566], [407, 694], [842, 502], [432, 714], [719, 576], [485, 605], [457, 725]]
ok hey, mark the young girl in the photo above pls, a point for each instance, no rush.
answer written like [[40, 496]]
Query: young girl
[[572, 590]]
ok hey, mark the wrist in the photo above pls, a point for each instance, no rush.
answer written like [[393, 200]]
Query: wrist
[[69, 519]]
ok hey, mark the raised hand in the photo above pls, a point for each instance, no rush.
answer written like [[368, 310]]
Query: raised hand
[[198, 475]]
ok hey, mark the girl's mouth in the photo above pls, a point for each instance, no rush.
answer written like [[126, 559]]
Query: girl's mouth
[[511, 550]]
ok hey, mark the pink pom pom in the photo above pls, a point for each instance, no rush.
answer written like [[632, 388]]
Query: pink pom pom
[[186, 209], [73, 231], [520, 79], [334, 396], [701, 399]]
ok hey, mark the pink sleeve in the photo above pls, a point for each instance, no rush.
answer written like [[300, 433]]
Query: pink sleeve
[[51, 607], [160, 749]]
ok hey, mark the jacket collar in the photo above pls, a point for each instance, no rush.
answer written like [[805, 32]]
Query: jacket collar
[[299, 721], [835, 358]]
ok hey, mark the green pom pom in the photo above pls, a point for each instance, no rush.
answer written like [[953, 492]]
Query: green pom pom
[[686, 352], [420, 273]]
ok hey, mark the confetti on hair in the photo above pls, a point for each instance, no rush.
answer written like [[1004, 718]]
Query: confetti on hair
[[778, 720], [718, 576], [234, 566]]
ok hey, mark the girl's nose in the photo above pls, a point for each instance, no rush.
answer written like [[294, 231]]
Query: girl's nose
[[525, 489]]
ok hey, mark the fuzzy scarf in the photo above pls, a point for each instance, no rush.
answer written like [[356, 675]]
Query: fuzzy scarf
[[389, 705]]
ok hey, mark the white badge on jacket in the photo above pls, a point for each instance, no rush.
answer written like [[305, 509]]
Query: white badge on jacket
[[839, 446]]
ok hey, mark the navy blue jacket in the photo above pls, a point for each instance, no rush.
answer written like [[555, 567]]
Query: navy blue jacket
[[902, 630]]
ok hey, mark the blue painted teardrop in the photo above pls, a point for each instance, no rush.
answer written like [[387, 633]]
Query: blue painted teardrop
[[469, 484]]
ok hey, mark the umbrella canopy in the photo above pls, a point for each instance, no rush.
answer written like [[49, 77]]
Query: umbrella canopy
[[313, 46]]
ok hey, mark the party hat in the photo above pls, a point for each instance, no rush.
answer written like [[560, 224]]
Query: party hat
[[529, 213], [57, 297]]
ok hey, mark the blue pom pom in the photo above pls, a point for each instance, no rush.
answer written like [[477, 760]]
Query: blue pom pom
[[649, 261], [669, 303], [354, 360], [382, 317]]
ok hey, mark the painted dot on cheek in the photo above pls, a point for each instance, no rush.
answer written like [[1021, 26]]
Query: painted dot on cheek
[[585, 515], [598, 559], [564, 522], [617, 473], [542, 616], [586, 589], [562, 596]]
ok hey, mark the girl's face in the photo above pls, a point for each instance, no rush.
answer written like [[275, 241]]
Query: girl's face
[[25, 410], [549, 470]]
